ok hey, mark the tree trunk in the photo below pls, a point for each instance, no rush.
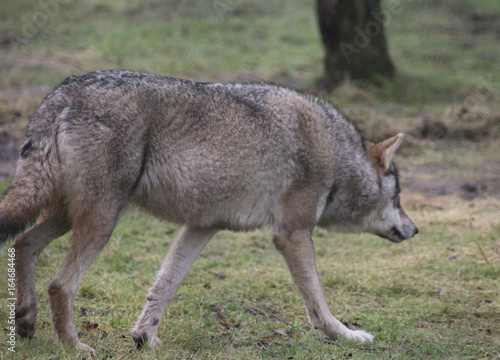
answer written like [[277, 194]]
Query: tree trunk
[[354, 39]]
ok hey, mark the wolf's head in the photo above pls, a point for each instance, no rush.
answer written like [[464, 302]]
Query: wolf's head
[[369, 202], [388, 219]]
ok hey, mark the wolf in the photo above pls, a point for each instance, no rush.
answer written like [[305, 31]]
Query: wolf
[[206, 156]]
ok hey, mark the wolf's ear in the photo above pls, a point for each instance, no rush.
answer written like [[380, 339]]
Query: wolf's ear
[[384, 151]]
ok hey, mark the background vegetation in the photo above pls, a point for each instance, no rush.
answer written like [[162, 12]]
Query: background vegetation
[[434, 297]]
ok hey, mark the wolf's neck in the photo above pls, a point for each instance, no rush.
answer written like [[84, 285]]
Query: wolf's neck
[[354, 193]]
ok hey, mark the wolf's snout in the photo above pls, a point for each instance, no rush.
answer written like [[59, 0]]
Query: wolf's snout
[[398, 234], [415, 231], [413, 228], [409, 231]]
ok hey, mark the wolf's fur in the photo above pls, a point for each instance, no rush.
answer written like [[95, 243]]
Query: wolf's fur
[[207, 156]]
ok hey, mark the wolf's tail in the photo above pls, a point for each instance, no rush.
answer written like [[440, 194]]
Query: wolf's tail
[[34, 182]]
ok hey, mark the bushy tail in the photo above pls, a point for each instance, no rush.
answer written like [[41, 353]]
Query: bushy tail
[[34, 183], [21, 204]]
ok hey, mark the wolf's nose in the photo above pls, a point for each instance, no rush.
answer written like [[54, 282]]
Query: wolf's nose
[[415, 231]]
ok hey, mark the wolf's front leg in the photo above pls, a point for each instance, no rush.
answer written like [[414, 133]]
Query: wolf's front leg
[[182, 254], [298, 250]]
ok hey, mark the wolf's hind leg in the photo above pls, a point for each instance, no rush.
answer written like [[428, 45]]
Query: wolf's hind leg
[[91, 232], [182, 254], [298, 250], [28, 246]]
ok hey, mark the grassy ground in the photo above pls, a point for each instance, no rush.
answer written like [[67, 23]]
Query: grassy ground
[[435, 297]]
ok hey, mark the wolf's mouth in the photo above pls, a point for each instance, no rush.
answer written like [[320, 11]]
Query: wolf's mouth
[[394, 235], [395, 231]]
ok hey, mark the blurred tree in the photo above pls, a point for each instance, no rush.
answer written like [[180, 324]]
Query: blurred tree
[[354, 39]]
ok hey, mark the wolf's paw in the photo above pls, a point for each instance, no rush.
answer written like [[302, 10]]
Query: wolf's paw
[[25, 329], [142, 338], [359, 335], [25, 320], [81, 346]]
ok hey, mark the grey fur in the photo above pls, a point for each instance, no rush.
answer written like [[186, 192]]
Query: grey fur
[[207, 156]]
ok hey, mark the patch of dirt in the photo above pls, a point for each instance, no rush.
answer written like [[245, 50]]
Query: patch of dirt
[[470, 172], [484, 23], [457, 123], [461, 123], [16, 106], [9, 151], [466, 188], [5, 42]]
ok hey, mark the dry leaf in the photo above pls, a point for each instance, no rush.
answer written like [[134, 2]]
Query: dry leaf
[[89, 326], [280, 331]]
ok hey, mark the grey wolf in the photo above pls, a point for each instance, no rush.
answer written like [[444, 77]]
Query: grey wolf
[[207, 156]]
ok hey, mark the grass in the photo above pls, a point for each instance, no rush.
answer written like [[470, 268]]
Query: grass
[[433, 297]]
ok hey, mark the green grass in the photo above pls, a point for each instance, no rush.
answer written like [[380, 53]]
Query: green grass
[[435, 297]]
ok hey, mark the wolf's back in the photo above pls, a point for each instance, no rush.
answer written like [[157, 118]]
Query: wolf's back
[[36, 173]]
